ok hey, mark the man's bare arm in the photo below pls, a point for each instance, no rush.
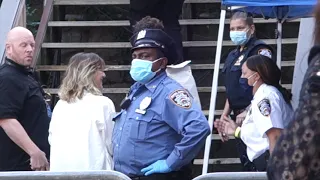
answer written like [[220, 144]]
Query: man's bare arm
[[19, 136]]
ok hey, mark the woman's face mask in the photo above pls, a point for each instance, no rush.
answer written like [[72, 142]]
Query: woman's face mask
[[239, 37], [141, 70], [244, 81]]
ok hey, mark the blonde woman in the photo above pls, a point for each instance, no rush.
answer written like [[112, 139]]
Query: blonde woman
[[81, 126]]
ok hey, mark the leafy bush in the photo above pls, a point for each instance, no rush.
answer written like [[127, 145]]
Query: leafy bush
[[32, 24]]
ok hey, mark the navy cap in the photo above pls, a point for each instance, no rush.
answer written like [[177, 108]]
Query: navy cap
[[155, 38]]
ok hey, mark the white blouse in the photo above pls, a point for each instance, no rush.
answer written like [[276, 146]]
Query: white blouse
[[268, 110], [80, 134]]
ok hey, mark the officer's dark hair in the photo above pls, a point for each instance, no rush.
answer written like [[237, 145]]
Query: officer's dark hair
[[269, 73], [244, 16], [149, 22]]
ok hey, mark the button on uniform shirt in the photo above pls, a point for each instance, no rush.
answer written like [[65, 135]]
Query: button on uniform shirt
[[21, 98], [268, 110], [80, 134], [171, 127], [239, 97]]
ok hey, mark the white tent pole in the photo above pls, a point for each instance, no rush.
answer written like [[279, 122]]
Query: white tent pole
[[305, 43], [214, 89], [279, 44]]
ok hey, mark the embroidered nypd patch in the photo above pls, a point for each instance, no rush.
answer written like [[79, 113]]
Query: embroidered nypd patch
[[181, 98], [265, 52], [264, 107]]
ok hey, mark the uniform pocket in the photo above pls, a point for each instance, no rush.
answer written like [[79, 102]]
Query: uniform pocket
[[140, 124]]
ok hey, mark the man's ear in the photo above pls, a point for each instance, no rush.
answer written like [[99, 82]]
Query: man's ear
[[164, 63], [7, 47]]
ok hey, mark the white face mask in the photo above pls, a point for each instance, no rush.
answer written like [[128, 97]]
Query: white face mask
[[251, 77]]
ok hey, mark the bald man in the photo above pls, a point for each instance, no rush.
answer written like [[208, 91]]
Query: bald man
[[23, 112]]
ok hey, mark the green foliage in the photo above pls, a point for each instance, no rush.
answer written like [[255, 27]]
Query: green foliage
[[32, 24]]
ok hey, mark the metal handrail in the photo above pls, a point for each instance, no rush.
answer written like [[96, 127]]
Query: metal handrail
[[233, 176], [42, 29], [11, 12], [47, 175]]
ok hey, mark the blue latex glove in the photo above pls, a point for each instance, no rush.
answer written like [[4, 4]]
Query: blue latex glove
[[158, 167]]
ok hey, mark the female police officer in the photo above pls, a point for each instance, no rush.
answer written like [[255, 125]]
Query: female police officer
[[238, 93], [269, 113]]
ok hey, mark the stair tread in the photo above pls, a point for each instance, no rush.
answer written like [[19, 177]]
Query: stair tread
[[116, 2], [127, 44], [127, 67], [126, 22]]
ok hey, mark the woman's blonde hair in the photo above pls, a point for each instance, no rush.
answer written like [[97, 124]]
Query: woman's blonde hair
[[79, 76]]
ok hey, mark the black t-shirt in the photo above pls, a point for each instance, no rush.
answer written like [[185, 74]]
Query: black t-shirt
[[21, 98]]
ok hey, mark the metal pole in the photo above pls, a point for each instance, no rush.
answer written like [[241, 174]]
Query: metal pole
[[279, 44], [8, 11], [214, 89]]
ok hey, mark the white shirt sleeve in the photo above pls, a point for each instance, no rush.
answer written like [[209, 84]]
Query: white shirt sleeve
[[109, 112], [268, 114], [105, 126], [52, 122]]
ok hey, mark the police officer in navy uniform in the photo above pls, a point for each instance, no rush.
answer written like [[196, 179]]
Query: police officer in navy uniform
[[238, 92], [160, 129]]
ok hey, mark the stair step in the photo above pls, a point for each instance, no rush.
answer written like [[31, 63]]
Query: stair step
[[218, 161], [122, 23], [127, 67], [84, 45], [126, 90], [116, 2]]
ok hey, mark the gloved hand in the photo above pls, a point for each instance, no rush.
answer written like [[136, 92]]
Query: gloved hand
[[159, 166]]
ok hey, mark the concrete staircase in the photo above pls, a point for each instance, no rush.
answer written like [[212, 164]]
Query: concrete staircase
[[199, 21]]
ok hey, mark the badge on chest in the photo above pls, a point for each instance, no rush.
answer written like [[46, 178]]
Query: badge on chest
[[144, 104], [239, 60]]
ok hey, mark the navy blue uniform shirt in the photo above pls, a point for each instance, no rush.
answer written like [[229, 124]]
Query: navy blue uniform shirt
[[240, 97]]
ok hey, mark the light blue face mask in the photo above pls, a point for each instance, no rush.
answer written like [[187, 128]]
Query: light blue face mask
[[141, 70], [239, 37]]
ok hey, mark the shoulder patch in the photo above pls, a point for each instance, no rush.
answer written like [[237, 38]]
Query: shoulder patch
[[181, 98], [265, 52], [264, 107]]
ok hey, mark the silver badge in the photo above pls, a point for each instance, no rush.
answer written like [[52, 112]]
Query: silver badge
[[141, 34], [144, 105]]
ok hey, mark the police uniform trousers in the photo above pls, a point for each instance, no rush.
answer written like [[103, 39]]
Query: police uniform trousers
[[167, 11], [184, 173]]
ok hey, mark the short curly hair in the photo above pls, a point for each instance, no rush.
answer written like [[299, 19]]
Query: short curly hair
[[148, 22]]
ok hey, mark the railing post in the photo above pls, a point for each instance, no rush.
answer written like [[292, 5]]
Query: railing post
[[9, 14], [22, 17]]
